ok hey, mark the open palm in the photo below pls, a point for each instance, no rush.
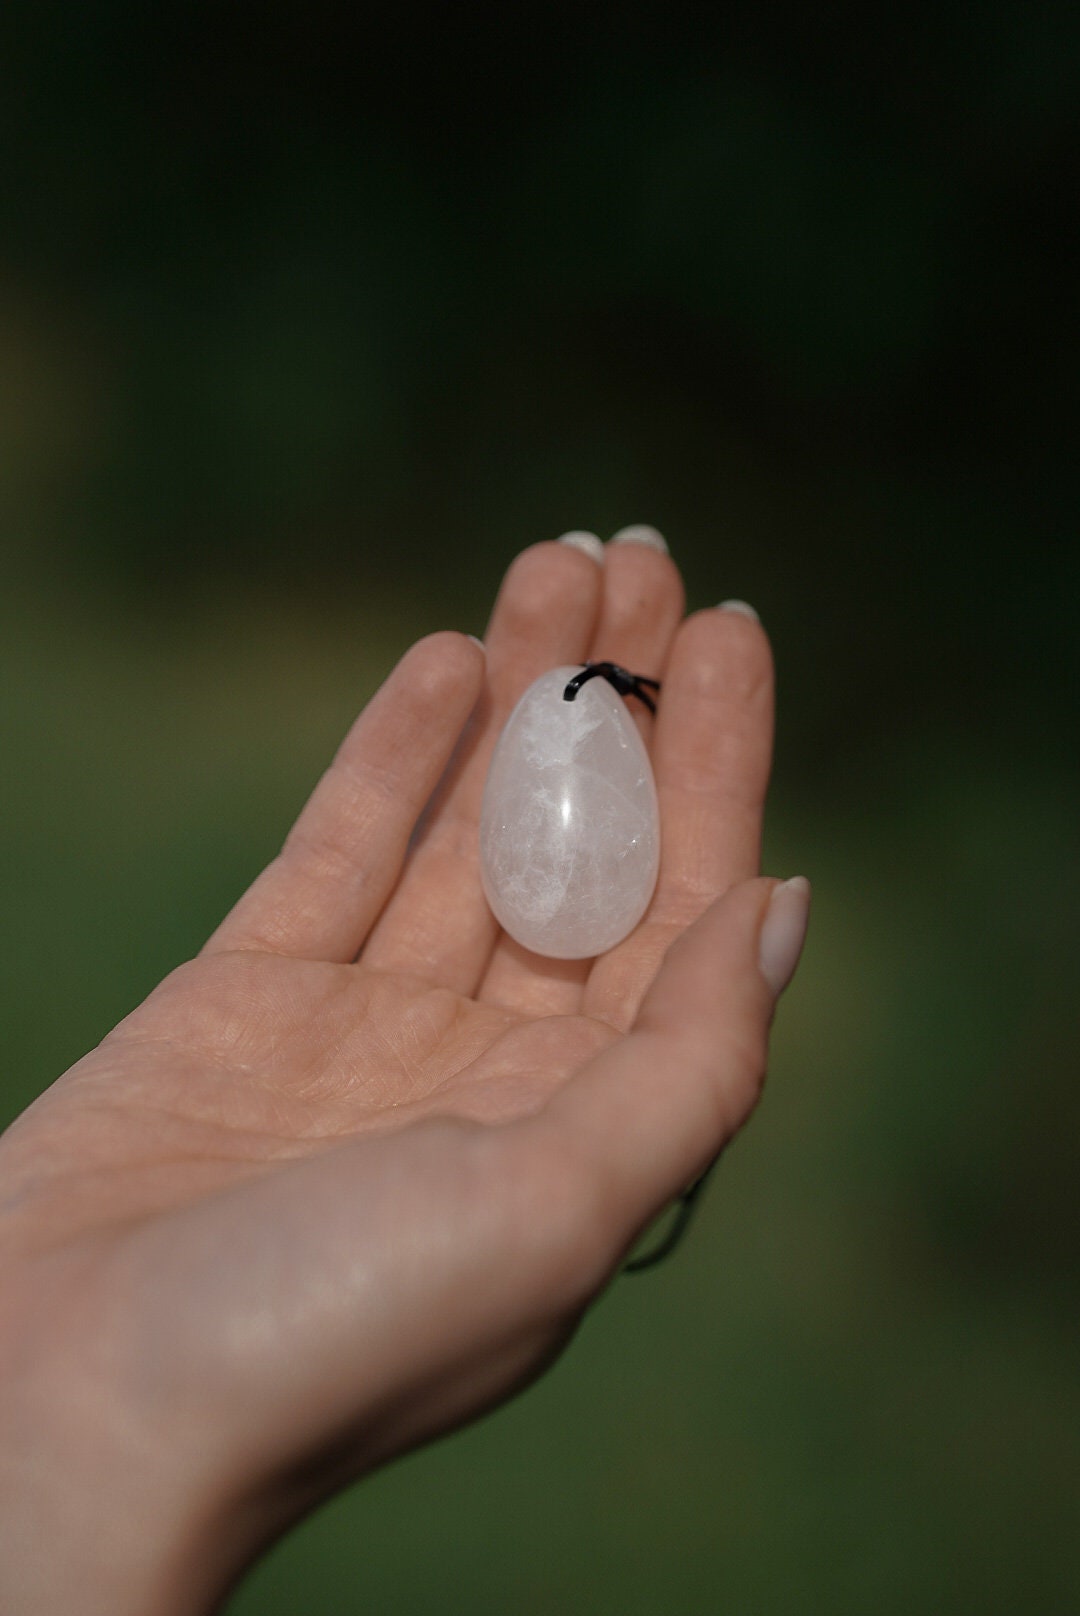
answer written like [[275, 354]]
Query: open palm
[[352, 1174]]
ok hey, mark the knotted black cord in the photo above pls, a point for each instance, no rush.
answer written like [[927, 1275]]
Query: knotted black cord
[[627, 684], [636, 684]]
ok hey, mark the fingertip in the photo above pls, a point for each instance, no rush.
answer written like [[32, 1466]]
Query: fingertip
[[726, 619], [644, 601], [444, 661], [549, 598], [588, 543], [723, 942], [783, 932], [741, 608], [741, 630], [643, 534], [539, 576], [722, 653]]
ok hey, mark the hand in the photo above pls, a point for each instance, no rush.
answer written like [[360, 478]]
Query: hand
[[352, 1175]]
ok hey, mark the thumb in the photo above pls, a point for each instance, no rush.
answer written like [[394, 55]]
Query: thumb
[[645, 1118]]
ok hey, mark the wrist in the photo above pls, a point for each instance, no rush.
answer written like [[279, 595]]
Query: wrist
[[98, 1518]]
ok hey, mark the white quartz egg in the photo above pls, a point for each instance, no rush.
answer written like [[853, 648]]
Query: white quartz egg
[[570, 824]]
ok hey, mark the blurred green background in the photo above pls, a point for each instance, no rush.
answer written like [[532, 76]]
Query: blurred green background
[[310, 318]]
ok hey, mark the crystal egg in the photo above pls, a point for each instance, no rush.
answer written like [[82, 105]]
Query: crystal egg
[[570, 824]]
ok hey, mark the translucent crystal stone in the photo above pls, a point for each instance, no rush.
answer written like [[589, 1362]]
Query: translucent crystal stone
[[570, 825]]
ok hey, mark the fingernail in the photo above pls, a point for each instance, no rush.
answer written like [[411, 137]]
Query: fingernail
[[783, 932], [741, 606], [586, 542], [639, 533], [476, 641]]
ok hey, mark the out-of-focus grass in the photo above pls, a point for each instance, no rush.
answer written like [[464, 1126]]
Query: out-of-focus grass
[[856, 1387], [149, 775]]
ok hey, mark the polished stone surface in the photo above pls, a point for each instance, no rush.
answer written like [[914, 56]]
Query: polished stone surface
[[570, 825]]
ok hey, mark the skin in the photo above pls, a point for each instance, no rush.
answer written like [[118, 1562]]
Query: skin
[[352, 1175]]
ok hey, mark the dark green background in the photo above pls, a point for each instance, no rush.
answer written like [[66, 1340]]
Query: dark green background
[[309, 319]]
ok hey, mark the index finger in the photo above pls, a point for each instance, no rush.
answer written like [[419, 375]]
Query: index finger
[[321, 894]]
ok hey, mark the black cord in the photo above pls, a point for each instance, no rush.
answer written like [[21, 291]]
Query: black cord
[[627, 684], [685, 1207], [636, 684]]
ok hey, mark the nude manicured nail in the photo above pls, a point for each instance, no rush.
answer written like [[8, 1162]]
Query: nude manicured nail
[[639, 533], [588, 543], [743, 608], [475, 638], [784, 932]]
